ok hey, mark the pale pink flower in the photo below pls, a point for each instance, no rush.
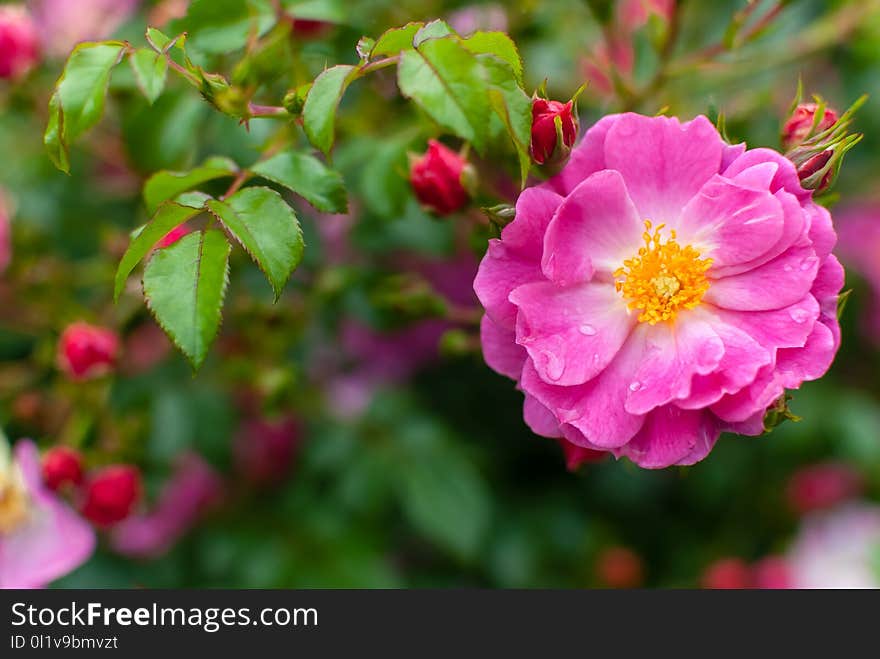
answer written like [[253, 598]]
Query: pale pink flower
[[859, 228], [41, 537], [663, 288], [19, 46], [490, 17], [839, 548]]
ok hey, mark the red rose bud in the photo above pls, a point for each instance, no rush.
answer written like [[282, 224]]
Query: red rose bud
[[62, 466], [822, 486], [86, 351], [19, 45], [818, 164], [619, 567], [111, 493], [438, 179], [552, 124], [264, 450], [727, 574], [800, 125]]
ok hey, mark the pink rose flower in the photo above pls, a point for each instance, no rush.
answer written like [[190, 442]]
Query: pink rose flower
[[110, 494], [436, 179], [19, 47], [193, 488], [837, 549], [41, 537], [65, 23], [822, 485], [663, 288]]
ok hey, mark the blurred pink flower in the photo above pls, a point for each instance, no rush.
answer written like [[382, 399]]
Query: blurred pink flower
[[727, 574], [858, 227], [649, 340], [193, 488], [633, 14], [41, 537], [63, 24], [87, 351], [772, 573], [838, 548], [823, 485], [489, 17], [19, 48]]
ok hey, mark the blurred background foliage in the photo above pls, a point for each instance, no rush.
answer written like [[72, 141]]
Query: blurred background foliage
[[411, 463]]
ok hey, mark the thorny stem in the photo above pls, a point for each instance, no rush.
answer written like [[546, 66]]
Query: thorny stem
[[237, 182], [266, 111]]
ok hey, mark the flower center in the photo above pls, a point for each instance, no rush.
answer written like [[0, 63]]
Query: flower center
[[13, 502], [663, 277]]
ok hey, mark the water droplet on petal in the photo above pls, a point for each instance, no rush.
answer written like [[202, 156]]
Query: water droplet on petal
[[595, 357], [799, 315], [555, 366], [635, 385], [587, 330], [808, 263], [788, 267]]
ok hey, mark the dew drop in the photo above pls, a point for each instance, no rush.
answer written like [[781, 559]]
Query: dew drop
[[587, 330], [635, 385], [555, 366], [595, 357], [788, 267], [808, 263], [799, 315]]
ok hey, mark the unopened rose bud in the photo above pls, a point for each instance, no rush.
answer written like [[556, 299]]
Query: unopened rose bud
[[619, 567], [800, 125], [19, 43], [86, 351], [438, 179], [62, 466], [808, 170], [554, 130], [111, 493]]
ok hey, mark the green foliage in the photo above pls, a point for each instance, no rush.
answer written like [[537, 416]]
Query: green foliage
[[319, 112], [266, 227], [307, 176], [150, 69], [167, 185], [184, 285], [218, 26], [78, 101]]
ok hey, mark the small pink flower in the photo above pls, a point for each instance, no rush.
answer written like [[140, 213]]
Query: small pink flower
[[489, 17], [544, 114], [65, 23], [19, 47], [823, 486], [110, 494], [727, 574], [87, 351], [436, 179], [663, 288], [800, 124], [41, 538], [62, 466], [193, 488], [837, 549]]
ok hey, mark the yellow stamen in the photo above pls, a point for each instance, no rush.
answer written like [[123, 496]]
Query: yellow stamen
[[663, 277], [13, 501]]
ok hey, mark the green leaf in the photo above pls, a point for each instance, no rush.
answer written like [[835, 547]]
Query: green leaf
[[433, 30], [184, 285], [308, 177], [78, 101], [446, 81], [167, 217], [149, 69], [396, 39], [319, 112], [446, 500], [267, 228], [512, 106], [220, 26], [157, 39], [167, 185], [500, 45]]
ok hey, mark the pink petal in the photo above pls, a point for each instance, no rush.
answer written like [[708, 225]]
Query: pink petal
[[730, 223], [535, 207], [779, 328], [674, 354], [501, 271], [586, 159], [663, 162], [786, 176], [821, 230], [539, 418], [671, 435], [594, 412], [596, 227], [500, 349], [779, 283], [571, 334]]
